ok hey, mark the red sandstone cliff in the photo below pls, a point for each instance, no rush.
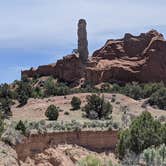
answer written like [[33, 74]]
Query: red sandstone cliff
[[133, 58]]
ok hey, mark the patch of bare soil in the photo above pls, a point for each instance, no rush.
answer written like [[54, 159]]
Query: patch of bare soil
[[35, 108]]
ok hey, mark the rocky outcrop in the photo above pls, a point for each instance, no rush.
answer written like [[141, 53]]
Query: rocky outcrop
[[93, 140], [69, 69], [133, 58], [82, 41]]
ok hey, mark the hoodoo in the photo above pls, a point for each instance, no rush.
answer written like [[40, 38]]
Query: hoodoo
[[82, 41]]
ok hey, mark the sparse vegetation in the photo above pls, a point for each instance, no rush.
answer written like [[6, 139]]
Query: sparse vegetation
[[155, 156], [52, 112], [97, 107], [53, 88], [90, 161], [142, 133]]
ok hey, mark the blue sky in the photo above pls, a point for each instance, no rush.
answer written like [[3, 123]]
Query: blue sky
[[35, 32]]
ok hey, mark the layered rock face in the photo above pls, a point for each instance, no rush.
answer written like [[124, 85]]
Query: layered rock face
[[133, 58]]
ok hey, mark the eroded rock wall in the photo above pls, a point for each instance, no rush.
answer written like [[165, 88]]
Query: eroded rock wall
[[93, 140]]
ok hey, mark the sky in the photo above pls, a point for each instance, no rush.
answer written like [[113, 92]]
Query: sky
[[36, 32]]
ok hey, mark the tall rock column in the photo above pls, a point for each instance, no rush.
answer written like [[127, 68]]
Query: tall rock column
[[82, 41]]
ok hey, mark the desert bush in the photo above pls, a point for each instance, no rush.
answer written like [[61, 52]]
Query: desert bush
[[52, 112], [53, 88], [21, 127], [151, 88], [12, 136], [133, 90], [37, 92], [162, 118], [66, 113], [155, 156], [137, 91], [23, 98], [143, 132], [24, 92], [97, 107], [90, 161], [75, 103], [5, 91], [5, 107], [159, 98]]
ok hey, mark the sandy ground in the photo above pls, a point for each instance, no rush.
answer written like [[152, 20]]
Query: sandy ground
[[35, 109]]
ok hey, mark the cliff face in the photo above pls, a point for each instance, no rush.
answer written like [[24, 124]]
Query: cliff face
[[69, 69], [93, 140], [133, 58]]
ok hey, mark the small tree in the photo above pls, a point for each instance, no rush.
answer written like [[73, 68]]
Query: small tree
[[75, 103], [21, 127], [24, 91], [97, 107], [52, 112], [22, 98], [159, 98], [5, 107]]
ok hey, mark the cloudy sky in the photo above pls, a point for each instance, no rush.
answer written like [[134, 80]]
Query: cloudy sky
[[35, 32]]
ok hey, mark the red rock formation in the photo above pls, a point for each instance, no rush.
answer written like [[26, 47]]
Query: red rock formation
[[69, 69], [133, 58]]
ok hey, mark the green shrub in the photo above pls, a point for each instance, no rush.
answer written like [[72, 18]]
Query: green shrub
[[155, 156], [5, 91], [75, 103], [159, 98], [53, 88], [37, 92], [21, 127], [1, 124], [24, 92], [52, 112], [143, 132], [5, 107], [97, 107], [90, 161], [133, 90], [23, 98]]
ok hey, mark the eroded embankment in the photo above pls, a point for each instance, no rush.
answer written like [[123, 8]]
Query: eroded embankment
[[93, 140]]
